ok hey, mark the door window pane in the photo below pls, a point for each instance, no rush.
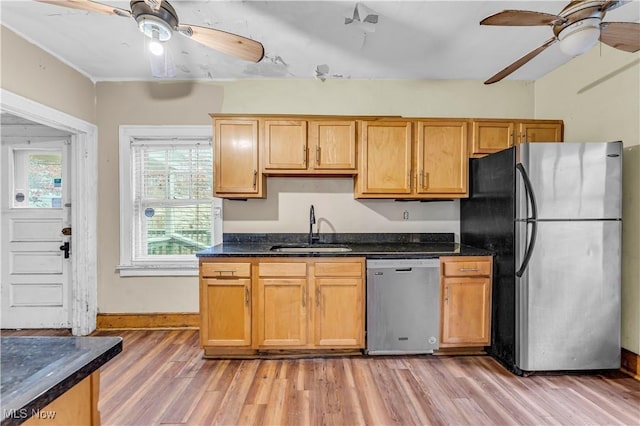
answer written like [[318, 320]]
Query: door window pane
[[37, 179]]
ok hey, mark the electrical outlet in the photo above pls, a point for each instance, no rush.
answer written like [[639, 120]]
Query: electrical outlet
[[405, 215]]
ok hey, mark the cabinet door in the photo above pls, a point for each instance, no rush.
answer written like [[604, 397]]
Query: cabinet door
[[285, 145], [442, 160], [282, 312], [226, 312], [492, 136], [332, 145], [339, 312], [236, 168], [385, 161], [465, 310], [533, 131]]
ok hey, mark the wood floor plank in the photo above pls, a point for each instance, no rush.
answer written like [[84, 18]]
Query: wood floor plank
[[162, 378]]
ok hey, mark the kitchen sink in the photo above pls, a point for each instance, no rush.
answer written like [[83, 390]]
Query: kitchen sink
[[306, 248]]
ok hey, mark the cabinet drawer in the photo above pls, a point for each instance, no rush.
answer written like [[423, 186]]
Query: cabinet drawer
[[338, 269], [225, 270], [282, 269], [468, 268]]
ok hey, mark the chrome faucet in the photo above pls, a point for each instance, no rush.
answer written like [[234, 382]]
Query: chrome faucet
[[312, 221]]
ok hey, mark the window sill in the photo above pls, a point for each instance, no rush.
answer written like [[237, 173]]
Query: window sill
[[158, 270]]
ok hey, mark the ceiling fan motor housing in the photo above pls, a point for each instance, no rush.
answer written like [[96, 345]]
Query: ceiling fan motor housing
[[164, 20]]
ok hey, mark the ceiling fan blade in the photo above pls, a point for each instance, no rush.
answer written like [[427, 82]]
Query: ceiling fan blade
[[521, 18], [90, 6], [621, 35], [520, 62], [231, 44]]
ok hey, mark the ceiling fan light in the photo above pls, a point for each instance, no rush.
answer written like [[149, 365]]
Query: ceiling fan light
[[580, 36], [147, 24], [155, 46]]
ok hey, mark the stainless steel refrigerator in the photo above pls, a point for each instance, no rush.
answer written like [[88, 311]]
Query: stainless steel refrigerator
[[551, 213]]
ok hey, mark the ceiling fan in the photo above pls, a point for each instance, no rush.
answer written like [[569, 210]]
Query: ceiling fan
[[158, 20], [577, 27]]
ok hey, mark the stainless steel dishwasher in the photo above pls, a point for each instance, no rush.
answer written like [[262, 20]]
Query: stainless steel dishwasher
[[403, 306]]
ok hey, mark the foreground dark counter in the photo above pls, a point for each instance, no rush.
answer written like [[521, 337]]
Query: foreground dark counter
[[370, 245], [37, 370]]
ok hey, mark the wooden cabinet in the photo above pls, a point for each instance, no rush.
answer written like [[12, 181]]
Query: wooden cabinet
[[314, 146], [285, 145], [442, 159], [282, 304], [386, 152], [390, 157], [225, 304], [332, 146], [488, 136], [395, 164], [77, 406], [236, 159], [260, 304], [465, 304], [493, 135], [540, 131], [339, 304]]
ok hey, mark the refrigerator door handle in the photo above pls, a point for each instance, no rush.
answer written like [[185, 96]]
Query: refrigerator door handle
[[532, 220]]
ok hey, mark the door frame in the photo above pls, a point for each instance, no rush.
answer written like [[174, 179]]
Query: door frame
[[84, 203]]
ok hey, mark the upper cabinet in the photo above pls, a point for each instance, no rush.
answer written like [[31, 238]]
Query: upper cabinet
[[442, 158], [541, 131], [285, 145], [332, 145], [412, 159], [493, 135], [386, 153], [390, 157], [313, 146], [236, 158]]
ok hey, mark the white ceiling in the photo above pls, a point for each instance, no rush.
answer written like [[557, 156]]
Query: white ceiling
[[412, 39]]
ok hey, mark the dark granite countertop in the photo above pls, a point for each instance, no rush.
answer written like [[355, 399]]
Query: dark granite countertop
[[371, 246], [37, 370]]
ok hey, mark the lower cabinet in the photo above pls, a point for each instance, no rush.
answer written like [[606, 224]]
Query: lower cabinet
[[465, 304], [225, 304], [281, 304]]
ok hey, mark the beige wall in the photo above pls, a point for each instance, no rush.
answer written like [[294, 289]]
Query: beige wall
[[287, 206], [598, 97], [29, 71]]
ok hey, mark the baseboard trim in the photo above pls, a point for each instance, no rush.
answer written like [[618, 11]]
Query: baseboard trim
[[629, 363], [148, 321]]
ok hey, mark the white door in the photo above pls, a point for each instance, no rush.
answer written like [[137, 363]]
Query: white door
[[35, 230]]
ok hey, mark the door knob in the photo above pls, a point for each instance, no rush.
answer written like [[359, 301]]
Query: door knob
[[65, 248]]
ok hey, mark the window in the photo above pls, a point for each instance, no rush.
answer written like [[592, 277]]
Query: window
[[168, 212]]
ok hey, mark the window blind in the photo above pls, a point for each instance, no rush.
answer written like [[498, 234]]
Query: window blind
[[172, 197]]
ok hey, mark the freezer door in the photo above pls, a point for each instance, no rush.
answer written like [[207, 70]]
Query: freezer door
[[574, 180], [568, 299]]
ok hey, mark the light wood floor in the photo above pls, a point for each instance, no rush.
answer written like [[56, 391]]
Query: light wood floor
[[161, 378]]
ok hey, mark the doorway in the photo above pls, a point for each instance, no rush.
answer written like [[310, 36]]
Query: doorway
[[48, 181], [36, 224]]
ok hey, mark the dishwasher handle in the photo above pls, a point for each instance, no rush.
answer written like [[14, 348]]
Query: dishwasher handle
[[404, 269]]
